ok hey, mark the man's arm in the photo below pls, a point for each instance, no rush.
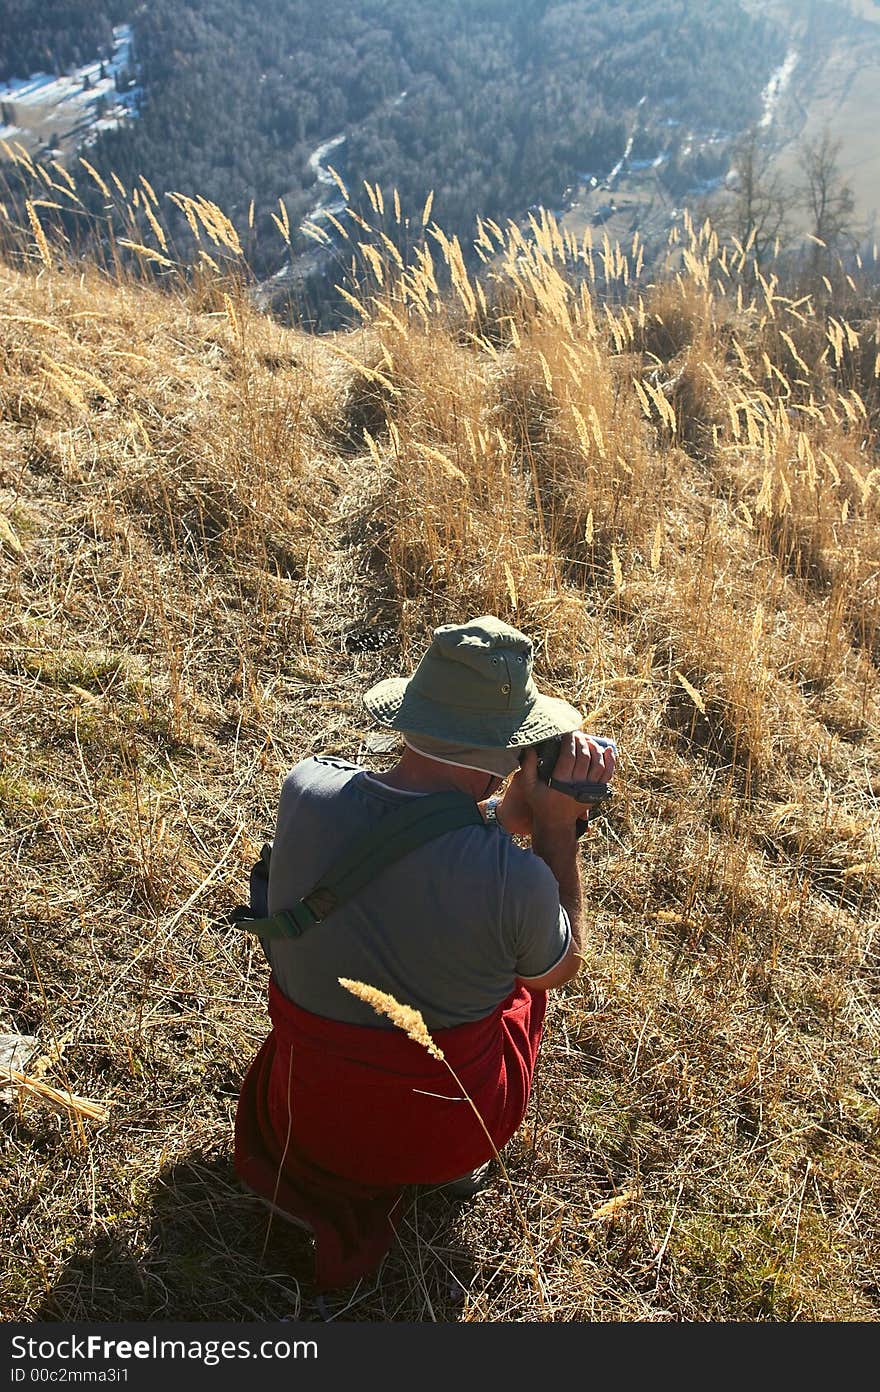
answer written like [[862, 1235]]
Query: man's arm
[[554, 834], [558, 849]]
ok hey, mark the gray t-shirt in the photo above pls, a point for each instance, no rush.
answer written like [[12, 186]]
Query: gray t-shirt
[[446, 929]]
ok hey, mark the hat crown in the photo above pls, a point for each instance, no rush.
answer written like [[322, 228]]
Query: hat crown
[[482, 665], [474, 686]]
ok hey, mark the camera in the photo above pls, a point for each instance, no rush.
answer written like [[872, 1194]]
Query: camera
[[595, 794]]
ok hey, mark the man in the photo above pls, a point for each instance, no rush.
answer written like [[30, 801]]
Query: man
[[340, 1110]]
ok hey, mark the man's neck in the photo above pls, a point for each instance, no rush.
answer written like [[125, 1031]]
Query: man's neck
[[415, 773]]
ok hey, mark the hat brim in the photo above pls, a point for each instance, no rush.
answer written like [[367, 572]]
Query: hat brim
[[394, 704]]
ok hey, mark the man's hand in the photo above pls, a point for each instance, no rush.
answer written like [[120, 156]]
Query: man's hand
[[527, 800]]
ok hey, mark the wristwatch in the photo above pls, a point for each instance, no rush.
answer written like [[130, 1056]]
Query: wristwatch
[[491, 814]]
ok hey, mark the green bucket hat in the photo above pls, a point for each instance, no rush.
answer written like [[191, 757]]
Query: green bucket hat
[[474, 686]]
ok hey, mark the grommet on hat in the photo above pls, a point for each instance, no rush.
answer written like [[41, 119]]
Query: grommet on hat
[[474, 686]]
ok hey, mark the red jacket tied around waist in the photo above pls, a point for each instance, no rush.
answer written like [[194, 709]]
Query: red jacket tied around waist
[[333, 1118]]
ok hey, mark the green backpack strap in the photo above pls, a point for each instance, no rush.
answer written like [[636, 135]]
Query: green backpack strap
[[392, 838]]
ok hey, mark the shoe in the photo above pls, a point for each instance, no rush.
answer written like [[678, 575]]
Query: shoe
[[468, 1184]]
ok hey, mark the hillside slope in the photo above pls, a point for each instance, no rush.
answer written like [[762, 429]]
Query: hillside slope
[[215, 534]]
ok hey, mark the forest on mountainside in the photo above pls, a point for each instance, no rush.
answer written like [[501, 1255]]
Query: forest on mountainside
[[52, 35], [507, 101]]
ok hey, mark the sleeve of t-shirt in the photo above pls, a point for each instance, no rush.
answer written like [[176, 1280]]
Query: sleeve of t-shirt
[[541, 930]]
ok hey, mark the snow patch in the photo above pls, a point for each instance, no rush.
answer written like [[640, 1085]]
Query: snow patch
[[776, 87], [317, 158]]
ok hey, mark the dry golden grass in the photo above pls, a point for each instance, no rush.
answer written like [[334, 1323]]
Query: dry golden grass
[[674, 489]]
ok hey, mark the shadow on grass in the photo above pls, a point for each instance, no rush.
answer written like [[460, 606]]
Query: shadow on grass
[[207, 1250]]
